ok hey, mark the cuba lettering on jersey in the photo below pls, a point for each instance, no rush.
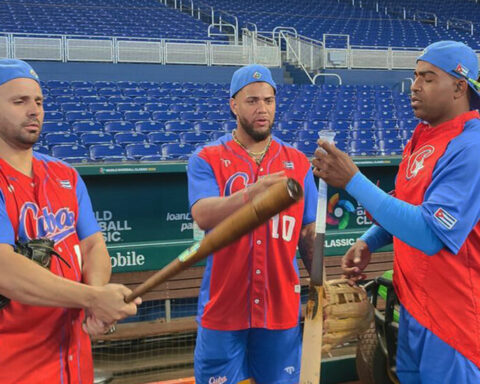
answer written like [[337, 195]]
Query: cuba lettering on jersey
[[440, 291], [45, 344], [253, 283]]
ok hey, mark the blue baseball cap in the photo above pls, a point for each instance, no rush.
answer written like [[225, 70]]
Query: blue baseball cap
[[253, 73], [458, 60], [13, 69]]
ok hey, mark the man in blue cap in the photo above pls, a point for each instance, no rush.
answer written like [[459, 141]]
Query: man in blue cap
[[249, 302], [433, 219], [48, 310]]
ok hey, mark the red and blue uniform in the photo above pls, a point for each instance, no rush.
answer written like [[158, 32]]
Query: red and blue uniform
[[45, 344], [253, 283], [439, 171]]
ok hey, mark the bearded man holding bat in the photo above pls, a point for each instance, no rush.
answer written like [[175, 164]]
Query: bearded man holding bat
[[249, 304], [433, 218]]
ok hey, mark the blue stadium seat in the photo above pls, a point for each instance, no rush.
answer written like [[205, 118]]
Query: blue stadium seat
[[154, 107], [118, 126], [162, 115], [361, 135], [73, 107], [55, 126], [53, 116], [133, 92], [148, 126], [196, 116], [194, 137], [163, 137], [154, 158], [124, 138], [81, 84], [107, 92], [136, 151], [182, 108], [65, 150], [86, 126], [96, 107], [123, 107], [60, 138], [216, 135], [390, 147], [85, 92], [135, 116], [286, 136], [178, 126], [107, 152], [77, 160], [385, 124], [207, 126], [307, 135], [361, 148], [362, 124], [307, 147], [290, 125], [78, 116], [104, 116], [175, 150], [387, 134], [220, 115], [93, 138]]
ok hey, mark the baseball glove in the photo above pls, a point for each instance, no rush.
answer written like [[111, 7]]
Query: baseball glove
[[38, 250], [347, 312]]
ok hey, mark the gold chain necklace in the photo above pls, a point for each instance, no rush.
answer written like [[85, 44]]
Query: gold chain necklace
[[257, 156]]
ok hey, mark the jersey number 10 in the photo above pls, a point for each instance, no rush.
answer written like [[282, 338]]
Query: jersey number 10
[[288, 224]]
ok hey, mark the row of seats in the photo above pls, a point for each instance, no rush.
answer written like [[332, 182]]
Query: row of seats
[[123, 18], [142, 147]]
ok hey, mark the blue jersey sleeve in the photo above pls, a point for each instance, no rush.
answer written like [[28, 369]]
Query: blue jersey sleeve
[[201, 180], [452, 203], [7, 234], [86, 224], [311, 196]]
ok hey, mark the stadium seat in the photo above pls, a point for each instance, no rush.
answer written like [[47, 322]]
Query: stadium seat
[[194, 137], [113, 127], [93, 138], [175, 150], [105, 151], [60, 138], [149, 126], [136, 151], [163, 137], [65, 150], [124, 138], [86, 126]]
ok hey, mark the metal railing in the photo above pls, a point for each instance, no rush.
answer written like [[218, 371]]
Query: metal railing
[[81, 48], [465, 25]]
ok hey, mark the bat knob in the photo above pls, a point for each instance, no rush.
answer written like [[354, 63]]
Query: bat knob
[[294, 189]]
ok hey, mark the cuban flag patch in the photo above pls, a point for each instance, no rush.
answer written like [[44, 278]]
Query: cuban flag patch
[[65, 184], [445, 218]]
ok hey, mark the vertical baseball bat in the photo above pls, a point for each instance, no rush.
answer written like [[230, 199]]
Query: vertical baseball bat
[[311, 363], [265, 205]]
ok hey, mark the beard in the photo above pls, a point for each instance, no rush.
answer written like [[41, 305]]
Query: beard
[[257, 136]]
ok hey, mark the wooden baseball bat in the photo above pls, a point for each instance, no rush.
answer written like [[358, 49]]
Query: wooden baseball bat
[[310, 368], [274, 200]]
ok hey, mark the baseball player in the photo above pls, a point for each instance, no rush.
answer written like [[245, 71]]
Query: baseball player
[[249, 303], [433, 218], [45, 324]]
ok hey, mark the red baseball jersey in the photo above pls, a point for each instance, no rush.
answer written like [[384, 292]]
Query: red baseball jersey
[[253, 283], [45, 344], [439, 171]]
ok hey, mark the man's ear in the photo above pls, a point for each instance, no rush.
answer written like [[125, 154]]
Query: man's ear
[[461, 88], [233, 105]]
